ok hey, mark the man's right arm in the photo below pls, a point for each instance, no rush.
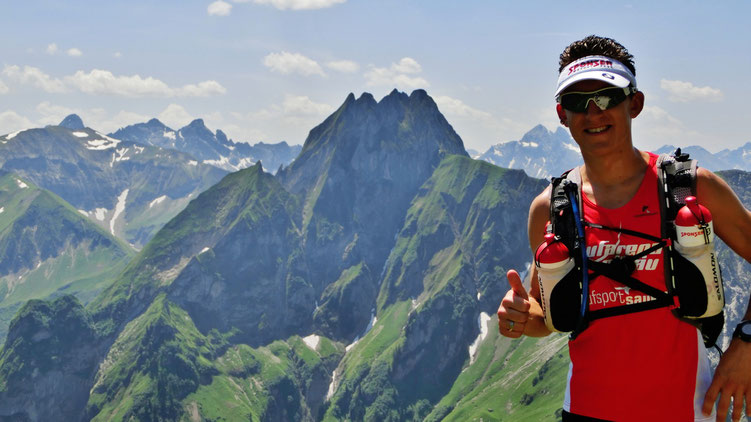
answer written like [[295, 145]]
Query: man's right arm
[[518, 305]]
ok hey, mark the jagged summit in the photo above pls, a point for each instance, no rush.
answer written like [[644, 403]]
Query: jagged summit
[[197, 123], [156, 123], [72, 122], [398, 138]]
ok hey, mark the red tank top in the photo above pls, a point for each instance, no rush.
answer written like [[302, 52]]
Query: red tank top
[[642, 366]]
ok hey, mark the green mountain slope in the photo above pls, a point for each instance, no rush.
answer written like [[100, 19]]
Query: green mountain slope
[[48, 248], [244, 204], [447, 267]]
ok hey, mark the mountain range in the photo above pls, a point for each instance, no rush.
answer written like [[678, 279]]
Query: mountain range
[[207, 147], [542, 153], [359, 282]]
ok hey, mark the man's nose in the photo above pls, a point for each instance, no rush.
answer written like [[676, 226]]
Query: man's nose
[[592, 107]]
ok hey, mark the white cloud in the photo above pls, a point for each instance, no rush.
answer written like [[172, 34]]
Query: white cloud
[[100, 119], [105, 82], [344, 66], [203, 89], [52, 49], [219, 8], [98, 82], [74, 52], [296, 4], [304, 105], [407, 65], [683, 92], [398, 75], [117, 55], [175, 116], [655, 127], [3, 88], [10, 122], [34, 76], [52, 114], [287, 63], [453, 107]]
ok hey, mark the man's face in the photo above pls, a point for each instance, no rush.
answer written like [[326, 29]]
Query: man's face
[[596, 128]]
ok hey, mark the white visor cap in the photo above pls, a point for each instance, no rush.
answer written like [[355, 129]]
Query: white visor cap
[[599, 68]]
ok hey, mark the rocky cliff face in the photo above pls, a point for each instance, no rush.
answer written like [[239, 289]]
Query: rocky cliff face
[[357, 173], [736, 272], [48, 361]]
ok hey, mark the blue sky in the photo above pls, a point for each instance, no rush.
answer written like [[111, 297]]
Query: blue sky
[[270, 70]]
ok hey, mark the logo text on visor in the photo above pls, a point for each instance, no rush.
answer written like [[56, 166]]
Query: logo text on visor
[[590, 64]]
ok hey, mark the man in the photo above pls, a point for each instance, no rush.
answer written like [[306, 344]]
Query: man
[[641, 366]]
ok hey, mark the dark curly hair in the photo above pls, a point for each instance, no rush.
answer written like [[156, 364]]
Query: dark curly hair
[[594, 45]]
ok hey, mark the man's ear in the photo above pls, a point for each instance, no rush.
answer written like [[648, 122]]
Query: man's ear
[[637, 104], [561, 115]]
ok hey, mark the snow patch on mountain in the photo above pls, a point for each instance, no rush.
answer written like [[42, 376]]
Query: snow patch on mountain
[[157, 201], [312, 341], [10, 136], [119, 155], [100, 213], [102, 144], [373, 320], [21, 184], [119, 208], [81, 134], [333, 386], [482, 322]]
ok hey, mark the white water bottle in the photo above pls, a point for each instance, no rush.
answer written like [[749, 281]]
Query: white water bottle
[[553, 262], [695, 242]]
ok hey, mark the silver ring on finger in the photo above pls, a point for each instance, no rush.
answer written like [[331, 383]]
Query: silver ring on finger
[[511, 325]]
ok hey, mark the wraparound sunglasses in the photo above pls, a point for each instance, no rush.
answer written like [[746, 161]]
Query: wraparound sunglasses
[[604, 98]]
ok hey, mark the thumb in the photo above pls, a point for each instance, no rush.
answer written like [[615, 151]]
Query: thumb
[[515, 282]]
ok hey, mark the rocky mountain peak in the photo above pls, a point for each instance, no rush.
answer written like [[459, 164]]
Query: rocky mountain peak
[[155, 123], [72, 122], [197, 123], [197, 128]]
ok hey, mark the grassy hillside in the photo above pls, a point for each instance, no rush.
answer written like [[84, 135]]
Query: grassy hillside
[[47, 249]]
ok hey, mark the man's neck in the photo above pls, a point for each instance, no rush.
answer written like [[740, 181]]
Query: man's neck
[[611, 180]]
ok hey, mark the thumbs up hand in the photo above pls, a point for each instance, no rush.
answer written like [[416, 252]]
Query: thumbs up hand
[[513, 312]]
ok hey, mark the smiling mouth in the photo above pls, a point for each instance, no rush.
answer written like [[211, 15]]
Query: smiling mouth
[[597, 129]]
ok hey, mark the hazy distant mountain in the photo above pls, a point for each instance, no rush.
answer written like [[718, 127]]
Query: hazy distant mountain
[[210, 148], [727, 159], [129, 189], [540, 153]]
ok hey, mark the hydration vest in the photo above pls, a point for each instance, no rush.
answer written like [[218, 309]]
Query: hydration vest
[[694, 286]]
